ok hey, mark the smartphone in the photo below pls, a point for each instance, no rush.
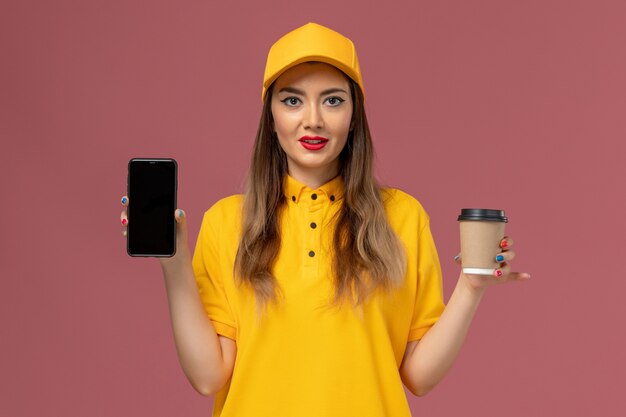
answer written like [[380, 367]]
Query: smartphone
[[152, 186]]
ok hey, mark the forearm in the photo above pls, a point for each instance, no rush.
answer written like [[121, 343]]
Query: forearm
[[434, 355], [197, 343]]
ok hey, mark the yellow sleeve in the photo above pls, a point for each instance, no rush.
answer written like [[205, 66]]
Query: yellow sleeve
[[429, 304], [209, 270]]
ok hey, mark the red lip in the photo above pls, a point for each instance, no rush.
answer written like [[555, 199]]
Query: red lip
[[305, 142]]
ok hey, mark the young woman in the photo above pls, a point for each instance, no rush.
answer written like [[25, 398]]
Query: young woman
[[316, 292]]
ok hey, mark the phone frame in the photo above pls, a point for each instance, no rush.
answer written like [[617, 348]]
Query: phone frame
[[130, 202]]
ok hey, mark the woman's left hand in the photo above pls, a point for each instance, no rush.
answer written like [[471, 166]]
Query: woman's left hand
[[502, 274]]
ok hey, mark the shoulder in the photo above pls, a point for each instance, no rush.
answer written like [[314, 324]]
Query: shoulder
[[396, 200], [403, 208], [226, 204], [226, 211]]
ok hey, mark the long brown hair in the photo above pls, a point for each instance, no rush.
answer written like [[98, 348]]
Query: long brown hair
[[367, 253]]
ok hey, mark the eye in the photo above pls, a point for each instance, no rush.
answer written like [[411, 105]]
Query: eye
[[291, 101], [334, 101]]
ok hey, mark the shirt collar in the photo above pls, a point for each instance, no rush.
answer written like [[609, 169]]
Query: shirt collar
[[331, 191]]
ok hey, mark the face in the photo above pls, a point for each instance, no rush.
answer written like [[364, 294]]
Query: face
[[312, 109]]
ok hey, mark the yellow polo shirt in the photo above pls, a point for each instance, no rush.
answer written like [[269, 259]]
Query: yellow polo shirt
[[302, 359]]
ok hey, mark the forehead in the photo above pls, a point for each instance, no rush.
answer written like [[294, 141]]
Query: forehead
[[312, 74]]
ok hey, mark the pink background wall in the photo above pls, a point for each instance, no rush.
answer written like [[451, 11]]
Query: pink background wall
[[511, 104]]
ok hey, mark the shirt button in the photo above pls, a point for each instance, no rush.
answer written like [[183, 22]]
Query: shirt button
[[293, 198], [311, 254], [313, 196], [332, 198], [313, 225]]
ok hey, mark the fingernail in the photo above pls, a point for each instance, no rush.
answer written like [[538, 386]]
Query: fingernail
[[124, 200], [124, 222], [498, 273], [504, 244], [456, 258], [499, 258], [181, 213]]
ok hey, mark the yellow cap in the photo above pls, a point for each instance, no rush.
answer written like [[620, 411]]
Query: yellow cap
[[311, 42]]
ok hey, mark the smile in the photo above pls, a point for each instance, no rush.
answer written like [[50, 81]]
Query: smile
[[313, 143]]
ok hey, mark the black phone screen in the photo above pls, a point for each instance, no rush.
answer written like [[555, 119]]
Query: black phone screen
[[152, 185]]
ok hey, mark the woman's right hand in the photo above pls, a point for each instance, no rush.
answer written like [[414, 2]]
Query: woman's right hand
[[182, 245], [207, 358]]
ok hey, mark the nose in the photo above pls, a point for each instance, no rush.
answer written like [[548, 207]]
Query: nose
[[313, 118]]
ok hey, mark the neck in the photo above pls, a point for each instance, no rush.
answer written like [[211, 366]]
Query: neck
[[313, 178]]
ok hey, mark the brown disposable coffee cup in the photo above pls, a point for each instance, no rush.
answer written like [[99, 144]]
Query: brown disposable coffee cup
[[481, 233]]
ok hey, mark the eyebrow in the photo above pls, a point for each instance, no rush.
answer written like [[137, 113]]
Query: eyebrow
[[294, 90]]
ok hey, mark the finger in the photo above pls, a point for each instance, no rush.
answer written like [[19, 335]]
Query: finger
[[124, 218], [181, 226], [506, 242], [502, 272], [505, 256], [518, 276], [179, 214], [182, 248], [124, 201]]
